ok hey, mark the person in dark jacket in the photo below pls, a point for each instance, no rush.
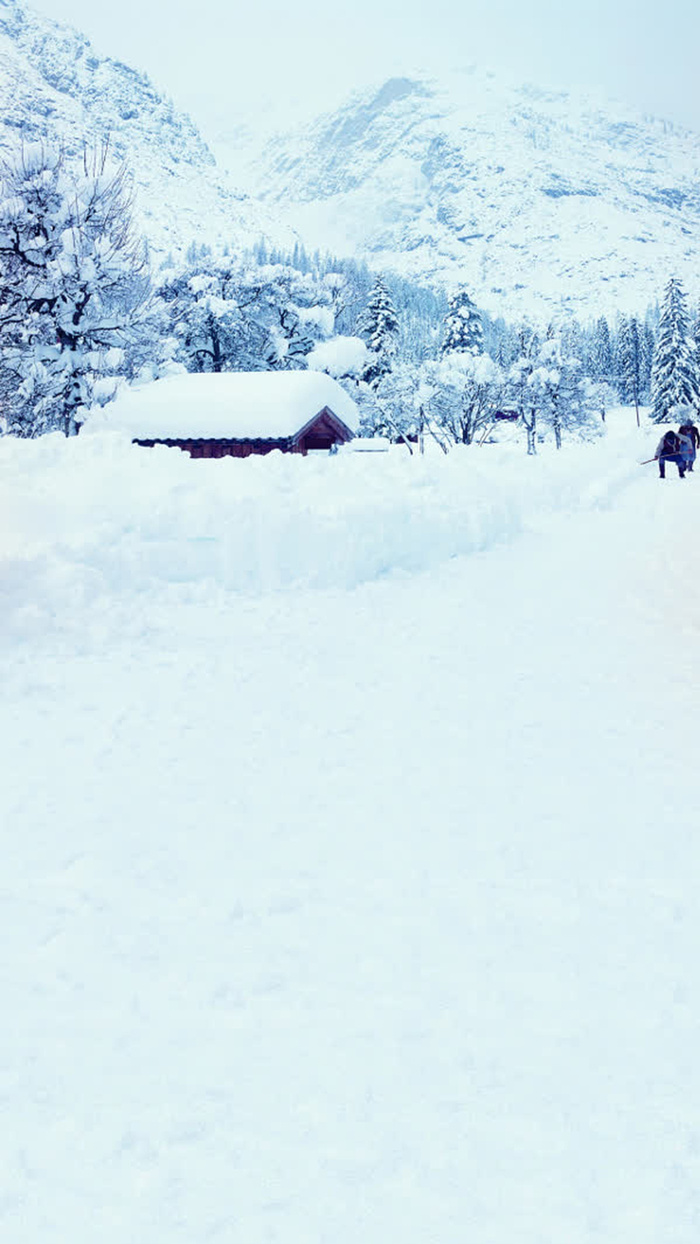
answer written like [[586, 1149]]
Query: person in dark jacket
[[687, 450], [669, 450], [689, 431]]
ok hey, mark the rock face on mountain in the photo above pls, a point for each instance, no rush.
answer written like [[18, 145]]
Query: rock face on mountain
[[53, 86], [536, 201], [532, 199]]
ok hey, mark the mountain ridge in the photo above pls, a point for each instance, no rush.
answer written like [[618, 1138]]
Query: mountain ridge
[[540, 201], [54, 87], [531, 197]]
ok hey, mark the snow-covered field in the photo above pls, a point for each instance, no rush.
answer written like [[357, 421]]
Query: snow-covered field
[[350, 847]]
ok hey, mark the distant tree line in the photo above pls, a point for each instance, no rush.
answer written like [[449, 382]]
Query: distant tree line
[[83, 312]]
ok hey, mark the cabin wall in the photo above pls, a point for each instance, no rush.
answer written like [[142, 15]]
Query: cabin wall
[[314, 441], [215, 449], [221, 449], [321, 433]]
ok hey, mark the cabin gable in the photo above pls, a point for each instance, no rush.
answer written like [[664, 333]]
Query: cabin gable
[[322, 432]]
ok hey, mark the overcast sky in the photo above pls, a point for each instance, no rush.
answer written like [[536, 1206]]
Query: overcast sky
[[226, 58]]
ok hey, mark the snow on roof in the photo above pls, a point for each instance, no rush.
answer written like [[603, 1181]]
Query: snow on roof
[[226, 405]]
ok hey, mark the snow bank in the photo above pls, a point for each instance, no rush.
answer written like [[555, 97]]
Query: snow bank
[[339, 916], [97, 515]]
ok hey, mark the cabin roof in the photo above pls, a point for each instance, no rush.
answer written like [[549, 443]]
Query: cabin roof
[[267, 405]]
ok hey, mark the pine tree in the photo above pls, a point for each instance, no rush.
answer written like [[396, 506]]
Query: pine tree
[[631, 363], [674, 374], [603, 361], [463, 327], [379, 326], [648, 343]]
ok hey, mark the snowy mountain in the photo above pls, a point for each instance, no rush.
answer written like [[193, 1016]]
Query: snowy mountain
[[534, 200], [53, 85], [517, 192]]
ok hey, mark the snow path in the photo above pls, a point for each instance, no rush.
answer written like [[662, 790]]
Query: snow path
[[367, 915]]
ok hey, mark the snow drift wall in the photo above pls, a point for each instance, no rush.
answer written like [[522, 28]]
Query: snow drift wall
[[98, 517]]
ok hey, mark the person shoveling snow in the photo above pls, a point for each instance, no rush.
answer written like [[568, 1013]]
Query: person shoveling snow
[[670, 449], [688, 432]]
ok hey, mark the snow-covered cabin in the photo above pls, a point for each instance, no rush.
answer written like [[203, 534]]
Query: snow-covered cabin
[[222, 414]]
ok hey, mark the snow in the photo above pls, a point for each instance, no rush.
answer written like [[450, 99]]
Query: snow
[[368, 445], [54, 85], [543, 202], [477, 367], [234, 405], [341, 356], [350, 859]]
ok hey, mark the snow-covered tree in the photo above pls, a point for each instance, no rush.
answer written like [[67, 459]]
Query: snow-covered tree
[[630, 362], [557, 389], [206, 315], [232, 317], [596, 395], [467, 382], [467, 390], [674, 379], [152, 352], [648, 342], [378, 326], [520, 392], [547, 384], [603, 365], [463, 331], [73, 284], [392, 407]]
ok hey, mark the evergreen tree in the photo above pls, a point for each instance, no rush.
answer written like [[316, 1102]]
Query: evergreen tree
[[603, 362], [674, 374], [630, 363], [463, 327], [379, 327], [648, 344]]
